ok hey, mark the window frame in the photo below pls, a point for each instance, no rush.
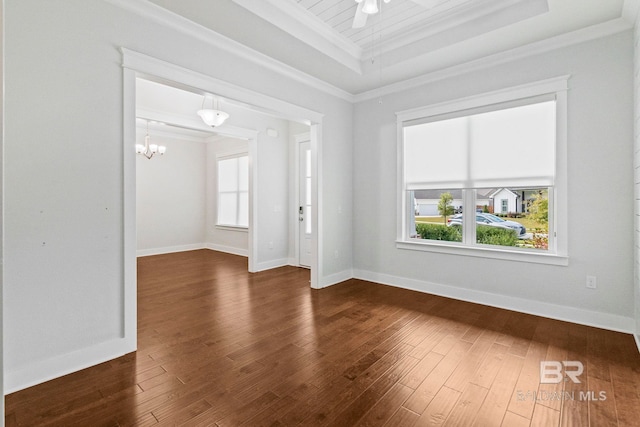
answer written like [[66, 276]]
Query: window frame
[[517, 95], [221, 157]]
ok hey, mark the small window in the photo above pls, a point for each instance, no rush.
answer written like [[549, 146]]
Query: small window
[[484, 175], [439, 219], [233, 191]]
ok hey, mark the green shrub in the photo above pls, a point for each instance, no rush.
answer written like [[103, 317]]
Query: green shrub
[[439, 232], [485, 234], [488, 235]]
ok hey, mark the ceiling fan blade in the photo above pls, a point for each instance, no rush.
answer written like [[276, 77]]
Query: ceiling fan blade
[[360, 19], [427, 4]]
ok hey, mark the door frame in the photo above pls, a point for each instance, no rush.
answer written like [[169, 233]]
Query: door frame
[[136, 65]]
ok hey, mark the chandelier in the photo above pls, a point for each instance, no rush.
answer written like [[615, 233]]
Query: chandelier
[[148, 150]]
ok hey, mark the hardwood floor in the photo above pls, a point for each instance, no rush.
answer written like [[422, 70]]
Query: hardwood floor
[[218, 346]]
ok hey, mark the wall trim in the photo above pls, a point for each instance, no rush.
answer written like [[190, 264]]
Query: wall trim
[[268, 265], [152, 68], [637, 338], [538, 308], [170, 249], [227, 249], [45, 370], [193, 247], [336, 278]]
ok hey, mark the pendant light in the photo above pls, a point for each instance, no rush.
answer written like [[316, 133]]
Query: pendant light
[[212, 116]]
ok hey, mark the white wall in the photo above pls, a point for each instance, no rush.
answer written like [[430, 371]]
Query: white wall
[[271, 164], [636, 175], [170, 197], [1, 217], [273, 197], [600, 152], [63, 288], [220, 238]]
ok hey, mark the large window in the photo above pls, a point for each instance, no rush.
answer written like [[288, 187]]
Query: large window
[[486, 173], [233, 191]]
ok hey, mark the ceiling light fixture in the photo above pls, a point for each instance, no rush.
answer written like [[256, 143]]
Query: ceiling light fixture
[[364, 9], [212, 116], [370, 7], [148, 149]]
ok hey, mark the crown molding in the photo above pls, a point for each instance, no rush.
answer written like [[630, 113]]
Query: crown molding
[[480, 17], [564, 40], [172, 20], [308, 28]]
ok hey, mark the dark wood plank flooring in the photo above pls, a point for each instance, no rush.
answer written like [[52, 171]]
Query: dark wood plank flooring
[[219, 346]]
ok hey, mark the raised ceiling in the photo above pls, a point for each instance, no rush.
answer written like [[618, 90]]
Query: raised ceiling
[[397, 25], [407, 39]]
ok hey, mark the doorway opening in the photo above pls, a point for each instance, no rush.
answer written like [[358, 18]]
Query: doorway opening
[[262, 208], [196, 194]]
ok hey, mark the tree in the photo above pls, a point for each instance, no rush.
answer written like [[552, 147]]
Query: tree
[[539, 210], [445, 207]]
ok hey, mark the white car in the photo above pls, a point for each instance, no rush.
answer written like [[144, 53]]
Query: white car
[[492, 221]]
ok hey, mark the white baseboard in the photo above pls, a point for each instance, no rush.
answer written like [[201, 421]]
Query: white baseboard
[[45, 370], [570, 314], [268, 265], [192, 247], [170, 249], [637, 338], [228, 249], [335, 278]]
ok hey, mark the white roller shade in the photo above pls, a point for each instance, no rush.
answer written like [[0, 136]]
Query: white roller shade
[[500, 148]]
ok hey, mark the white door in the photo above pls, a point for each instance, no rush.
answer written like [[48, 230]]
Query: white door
[[304, 205]]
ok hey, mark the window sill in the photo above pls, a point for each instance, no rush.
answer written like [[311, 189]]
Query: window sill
[[484, 252], [233, 228]]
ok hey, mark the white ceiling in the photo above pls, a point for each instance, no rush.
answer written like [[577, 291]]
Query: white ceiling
[[407, 39]]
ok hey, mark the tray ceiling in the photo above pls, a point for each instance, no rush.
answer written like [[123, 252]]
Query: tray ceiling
[[406, 39]]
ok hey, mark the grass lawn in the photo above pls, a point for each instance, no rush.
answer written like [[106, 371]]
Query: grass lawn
[[528, 223], [430, 219]]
